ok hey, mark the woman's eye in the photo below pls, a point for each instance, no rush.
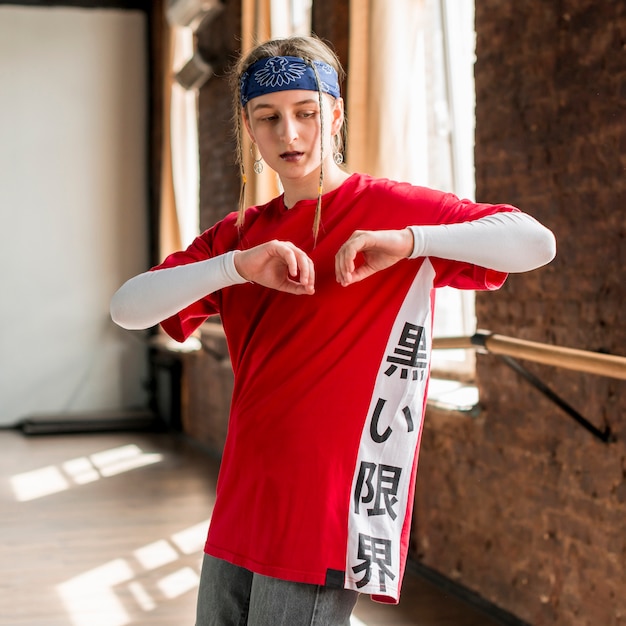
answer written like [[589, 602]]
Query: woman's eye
[[306, 114]]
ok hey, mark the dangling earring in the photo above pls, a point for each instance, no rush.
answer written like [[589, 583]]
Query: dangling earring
[[337, 152], [258, 163]]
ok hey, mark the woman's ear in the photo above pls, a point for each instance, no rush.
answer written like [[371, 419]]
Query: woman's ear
[[337, 116]]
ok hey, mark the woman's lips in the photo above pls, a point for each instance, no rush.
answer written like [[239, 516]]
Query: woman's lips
[[291, 156]]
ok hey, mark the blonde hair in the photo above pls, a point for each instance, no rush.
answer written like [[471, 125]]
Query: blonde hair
[[310, 49]]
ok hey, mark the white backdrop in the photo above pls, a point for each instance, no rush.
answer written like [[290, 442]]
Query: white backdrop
[[73, 217]]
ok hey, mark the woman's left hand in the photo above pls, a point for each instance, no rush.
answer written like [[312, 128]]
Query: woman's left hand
[[380, 249]]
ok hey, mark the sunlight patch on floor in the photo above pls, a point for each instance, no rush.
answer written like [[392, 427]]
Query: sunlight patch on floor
[[90, 598], [156, 554], [113, 594], [38, 483], [179, 582], [80, 471]]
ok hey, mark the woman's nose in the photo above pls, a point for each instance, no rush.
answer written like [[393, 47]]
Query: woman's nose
[[288, 130]]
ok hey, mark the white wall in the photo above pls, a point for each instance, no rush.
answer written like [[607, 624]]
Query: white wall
[[73, 216]]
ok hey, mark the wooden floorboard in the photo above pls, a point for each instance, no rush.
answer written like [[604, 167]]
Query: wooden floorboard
[[107, 530]]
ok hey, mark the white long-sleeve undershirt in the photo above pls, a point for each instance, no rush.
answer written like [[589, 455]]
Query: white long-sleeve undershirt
[[149, 298], [505, 242]]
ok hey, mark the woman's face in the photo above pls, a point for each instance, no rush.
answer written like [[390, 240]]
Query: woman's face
[[285, 125]]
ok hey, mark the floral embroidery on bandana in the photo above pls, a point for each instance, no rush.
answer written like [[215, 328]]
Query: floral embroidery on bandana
[[279, 72]]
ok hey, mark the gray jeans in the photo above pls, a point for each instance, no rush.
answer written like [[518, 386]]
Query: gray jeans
[[233, 596]]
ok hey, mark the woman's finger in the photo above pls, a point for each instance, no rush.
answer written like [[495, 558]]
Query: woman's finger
[[299, 266], [306, 269], [345, 258]]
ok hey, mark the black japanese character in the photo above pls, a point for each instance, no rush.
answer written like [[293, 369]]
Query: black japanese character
[[383, 491], [374, 552], [374, 423], [410, 353], [378, 409]]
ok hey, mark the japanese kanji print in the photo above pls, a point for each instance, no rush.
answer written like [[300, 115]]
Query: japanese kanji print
[[383, 480]]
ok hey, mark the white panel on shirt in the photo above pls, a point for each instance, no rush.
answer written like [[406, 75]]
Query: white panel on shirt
[[382, 477]]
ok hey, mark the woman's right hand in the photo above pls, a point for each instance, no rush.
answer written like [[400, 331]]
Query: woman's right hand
[[278, 265]]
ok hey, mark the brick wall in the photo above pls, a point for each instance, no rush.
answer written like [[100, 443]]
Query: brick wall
[[522, 505]]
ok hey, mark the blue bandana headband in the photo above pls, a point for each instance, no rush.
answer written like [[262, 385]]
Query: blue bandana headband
[[285, 73]]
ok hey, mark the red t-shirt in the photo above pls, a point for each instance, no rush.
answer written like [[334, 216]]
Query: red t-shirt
[[318, 471]]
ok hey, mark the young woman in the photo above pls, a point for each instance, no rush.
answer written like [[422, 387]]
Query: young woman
[[326, 297]]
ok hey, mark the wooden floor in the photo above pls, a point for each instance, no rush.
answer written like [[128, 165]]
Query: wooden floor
[[108, 529]]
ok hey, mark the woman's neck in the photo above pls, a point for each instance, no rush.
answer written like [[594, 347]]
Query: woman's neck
[[307, 189]]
